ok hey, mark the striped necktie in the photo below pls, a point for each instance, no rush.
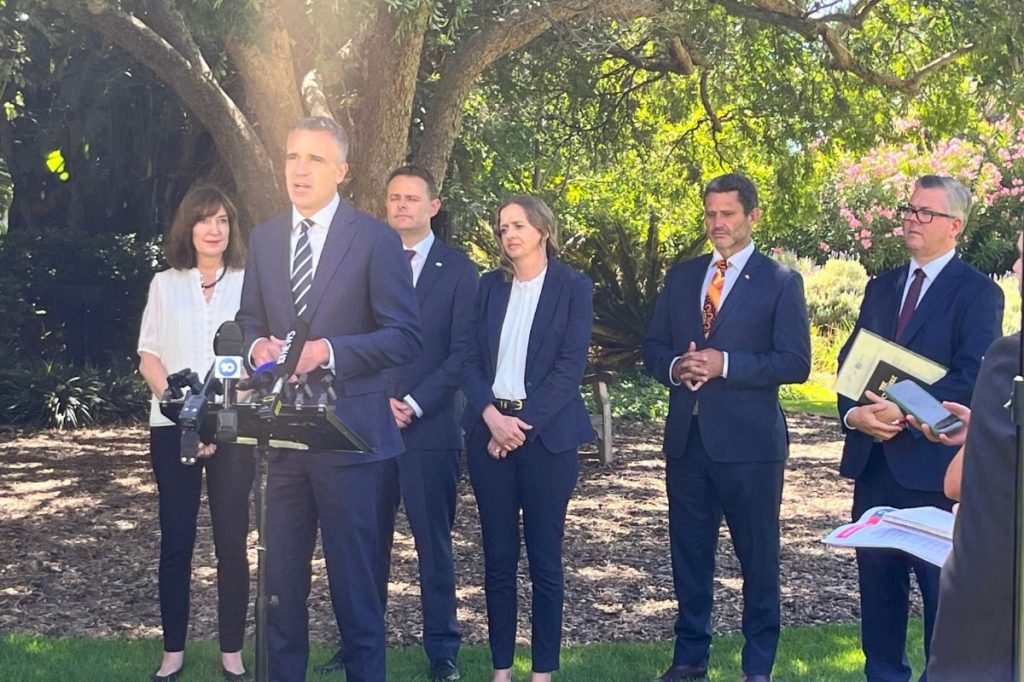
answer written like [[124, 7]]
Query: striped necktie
[[713, 298], [302, 269]]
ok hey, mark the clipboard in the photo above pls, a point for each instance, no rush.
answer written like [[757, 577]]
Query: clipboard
[[874, 363]]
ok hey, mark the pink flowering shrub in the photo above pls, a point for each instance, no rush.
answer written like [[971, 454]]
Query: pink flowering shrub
[[859, 204]]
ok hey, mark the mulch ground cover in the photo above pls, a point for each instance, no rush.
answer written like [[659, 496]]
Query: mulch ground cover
[[79, 539]]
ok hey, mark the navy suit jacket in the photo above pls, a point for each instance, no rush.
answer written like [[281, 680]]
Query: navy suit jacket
[[445, 291], [357, 302], [763, 326], [556, 356], [959, 316]]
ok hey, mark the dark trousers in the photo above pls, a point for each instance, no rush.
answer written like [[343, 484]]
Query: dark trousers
[[749, 494], [229, 476], [538, 482], [428, 481], [354, 508], [884, 577]]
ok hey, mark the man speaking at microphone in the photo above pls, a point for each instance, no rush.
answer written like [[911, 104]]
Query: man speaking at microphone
[[344, 273]]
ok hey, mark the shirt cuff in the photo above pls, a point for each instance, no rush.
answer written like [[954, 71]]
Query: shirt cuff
[[725, 365], [252, 363], [408, 399], [671, 375], [846, 419], [330, 356]]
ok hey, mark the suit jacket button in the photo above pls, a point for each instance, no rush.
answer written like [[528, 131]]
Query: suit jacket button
[[529, 384]]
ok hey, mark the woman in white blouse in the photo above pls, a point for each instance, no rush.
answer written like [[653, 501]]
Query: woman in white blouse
[[526, 353], [186, 305]]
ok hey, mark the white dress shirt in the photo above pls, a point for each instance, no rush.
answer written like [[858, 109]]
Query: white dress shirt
[[420, 249], [178, 323], [736, 263], [317, 235], [510, 372]]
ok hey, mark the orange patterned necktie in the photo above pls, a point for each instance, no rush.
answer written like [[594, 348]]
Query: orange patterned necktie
[[714, 295]]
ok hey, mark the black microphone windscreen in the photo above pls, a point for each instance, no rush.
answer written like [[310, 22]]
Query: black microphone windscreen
[[228, 340], [292, 349]]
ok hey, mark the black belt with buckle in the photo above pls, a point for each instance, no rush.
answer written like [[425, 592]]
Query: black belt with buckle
[[509, 406]]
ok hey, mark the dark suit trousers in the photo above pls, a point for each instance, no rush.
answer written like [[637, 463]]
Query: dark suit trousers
[[884, 577], [354, 508], [428, 481], [749, 494], [538, 482], [229, 475]]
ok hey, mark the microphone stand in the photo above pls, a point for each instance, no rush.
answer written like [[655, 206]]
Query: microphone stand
[[264, 601]]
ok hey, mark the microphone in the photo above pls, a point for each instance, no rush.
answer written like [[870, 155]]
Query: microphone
[[262, 377], [287, 361], [227, 363]]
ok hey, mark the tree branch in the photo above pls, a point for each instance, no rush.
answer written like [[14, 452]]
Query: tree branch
[[787, 15], [492, 42], [234, 135]]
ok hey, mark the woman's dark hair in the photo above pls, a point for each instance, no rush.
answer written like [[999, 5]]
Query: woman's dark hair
[[539, 216], [202, 202]]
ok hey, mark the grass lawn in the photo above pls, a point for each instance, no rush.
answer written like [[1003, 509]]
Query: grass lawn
[[829, 653]]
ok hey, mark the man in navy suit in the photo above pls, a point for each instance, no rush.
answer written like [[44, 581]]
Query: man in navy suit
[[947, 311], [344, 273], [729, 328], [423, 402]]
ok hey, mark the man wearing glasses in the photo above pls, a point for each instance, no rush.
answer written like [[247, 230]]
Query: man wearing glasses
[[943, 309]]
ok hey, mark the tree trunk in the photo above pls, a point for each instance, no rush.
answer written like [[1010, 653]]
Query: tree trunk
[[381, 134], [259, 192], [271, 92]]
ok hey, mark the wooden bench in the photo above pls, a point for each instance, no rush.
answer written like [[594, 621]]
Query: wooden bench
[[602, 419]]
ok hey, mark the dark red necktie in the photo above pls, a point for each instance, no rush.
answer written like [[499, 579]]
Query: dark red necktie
[[910, 304], [409, 255]]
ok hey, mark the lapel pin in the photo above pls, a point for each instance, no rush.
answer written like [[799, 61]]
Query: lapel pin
[[746, 276], [437, 263]]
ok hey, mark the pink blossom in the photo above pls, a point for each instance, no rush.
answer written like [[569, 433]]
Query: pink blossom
[[866, 243], [823, 246]]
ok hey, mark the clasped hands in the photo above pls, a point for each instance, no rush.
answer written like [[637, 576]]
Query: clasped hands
[[695, 367], [314, 353], [507, 432]]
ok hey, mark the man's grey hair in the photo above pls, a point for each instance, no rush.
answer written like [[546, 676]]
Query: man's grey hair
[[958, 198], [328, 125]]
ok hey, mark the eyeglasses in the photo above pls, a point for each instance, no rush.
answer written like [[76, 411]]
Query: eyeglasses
[[921, 215]]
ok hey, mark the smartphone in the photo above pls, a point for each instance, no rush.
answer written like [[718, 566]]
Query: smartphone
[[913, 399]]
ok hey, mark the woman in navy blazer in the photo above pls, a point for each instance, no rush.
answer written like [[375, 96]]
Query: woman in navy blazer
[[524, 420]]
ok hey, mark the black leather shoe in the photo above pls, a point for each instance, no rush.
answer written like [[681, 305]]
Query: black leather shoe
[[235, 677], [173, 677], [336, 663], [683, 672], [444, 669]]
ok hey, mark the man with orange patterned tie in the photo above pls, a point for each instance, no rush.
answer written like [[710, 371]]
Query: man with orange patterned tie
[[729, 328]]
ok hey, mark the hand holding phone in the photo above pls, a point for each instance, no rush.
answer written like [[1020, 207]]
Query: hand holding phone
[[919, 403]]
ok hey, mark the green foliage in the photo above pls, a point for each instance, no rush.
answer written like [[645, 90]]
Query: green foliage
[[628, 272], [637, 396], [66, 292], [54, 394], [1011, 311], [834, 293], [860, 219]]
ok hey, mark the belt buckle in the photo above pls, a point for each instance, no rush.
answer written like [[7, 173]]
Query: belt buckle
[[516, 405]]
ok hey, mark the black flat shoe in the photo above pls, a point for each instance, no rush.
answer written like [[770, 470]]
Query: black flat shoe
[[235, 677], [173, 677], [336, 663]]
